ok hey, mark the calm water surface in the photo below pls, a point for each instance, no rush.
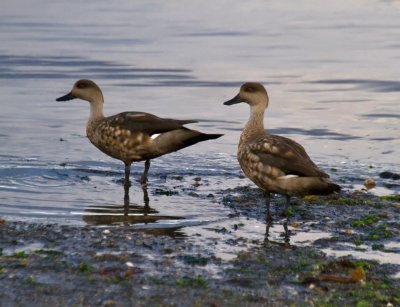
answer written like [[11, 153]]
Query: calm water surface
[[332, 72]]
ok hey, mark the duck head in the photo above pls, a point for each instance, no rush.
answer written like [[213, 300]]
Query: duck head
[[85, 90], [251, 93]]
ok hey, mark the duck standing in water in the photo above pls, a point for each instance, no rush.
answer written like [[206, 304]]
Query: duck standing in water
[[274, 163], [132, 136]]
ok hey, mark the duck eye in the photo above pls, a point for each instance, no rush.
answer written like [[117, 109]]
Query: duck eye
[[250, 89], [80, 85]]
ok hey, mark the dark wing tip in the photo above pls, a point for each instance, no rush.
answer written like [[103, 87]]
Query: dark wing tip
[[186, 121], [212, 136]]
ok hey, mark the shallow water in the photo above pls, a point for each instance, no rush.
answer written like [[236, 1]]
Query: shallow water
[[331, 70]]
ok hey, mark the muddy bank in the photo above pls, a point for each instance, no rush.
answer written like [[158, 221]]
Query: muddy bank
[[49, 264]]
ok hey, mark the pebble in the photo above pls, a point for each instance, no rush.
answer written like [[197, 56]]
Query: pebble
[[389, 175], [370, 183]]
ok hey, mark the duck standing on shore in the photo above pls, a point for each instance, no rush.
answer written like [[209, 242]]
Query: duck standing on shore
[[274, 163], [132, 136]]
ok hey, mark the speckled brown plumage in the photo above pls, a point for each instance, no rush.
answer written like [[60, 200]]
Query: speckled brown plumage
[[132, 136], [128, 136], [274, 163]]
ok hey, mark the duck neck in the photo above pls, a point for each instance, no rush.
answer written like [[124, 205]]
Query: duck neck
[[255, 124], [96, 110]]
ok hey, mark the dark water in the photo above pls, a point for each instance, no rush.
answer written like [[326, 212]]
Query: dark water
[[332, 72]]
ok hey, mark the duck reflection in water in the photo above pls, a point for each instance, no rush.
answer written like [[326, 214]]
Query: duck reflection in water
[[131, 214]]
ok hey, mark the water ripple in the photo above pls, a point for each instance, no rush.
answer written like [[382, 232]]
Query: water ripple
[[372, 85]]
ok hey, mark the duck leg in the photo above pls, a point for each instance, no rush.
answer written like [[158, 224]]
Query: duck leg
[[127, 175], [266, 235], [146, 199], [287, 204], [268, 217], [143, 179], [286, 222], [126, 203], [287, 233], [126, 188]]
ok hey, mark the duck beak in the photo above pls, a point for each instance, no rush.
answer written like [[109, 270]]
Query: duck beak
[[234, 100], [69, 96]]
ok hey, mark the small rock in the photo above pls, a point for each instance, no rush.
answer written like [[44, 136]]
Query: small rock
[[369, 183], [109, 303], [348, 232], [106, 231], [389, 175]]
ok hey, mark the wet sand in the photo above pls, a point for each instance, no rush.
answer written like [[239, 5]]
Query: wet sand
[[49, 264]]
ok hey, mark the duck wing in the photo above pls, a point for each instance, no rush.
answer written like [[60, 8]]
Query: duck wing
[[145, 122], [286, 155]]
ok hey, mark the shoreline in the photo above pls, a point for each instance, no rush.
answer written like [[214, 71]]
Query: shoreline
[[113, 266]]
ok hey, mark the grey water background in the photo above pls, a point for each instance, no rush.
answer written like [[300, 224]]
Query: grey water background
[[331, 69]]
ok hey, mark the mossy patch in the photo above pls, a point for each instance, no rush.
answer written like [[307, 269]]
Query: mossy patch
[[395, 197], [20, 254], [368, 220], [85, 267], [49, 253], [194, 260], [196, 282]]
